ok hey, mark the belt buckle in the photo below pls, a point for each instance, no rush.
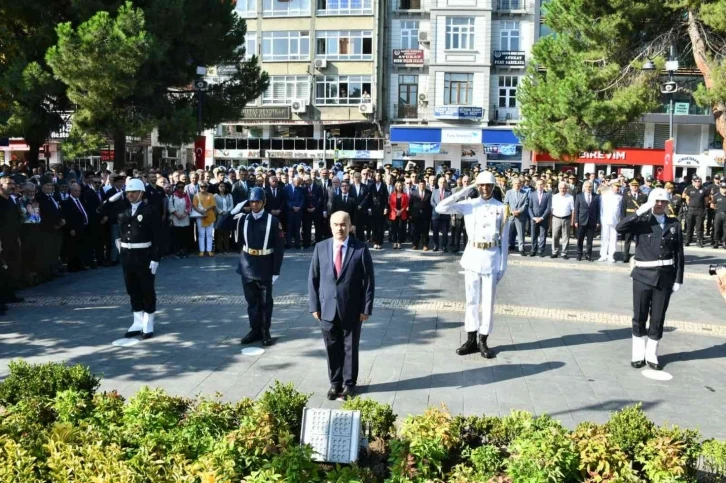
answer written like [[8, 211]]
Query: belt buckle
[[253, 251]]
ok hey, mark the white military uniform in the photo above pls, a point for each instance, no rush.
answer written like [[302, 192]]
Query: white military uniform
[[485, 257]]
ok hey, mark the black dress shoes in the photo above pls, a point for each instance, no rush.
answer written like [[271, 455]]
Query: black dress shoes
[[655, 366], [554, 255], [267, 339], [132, 333], [522, 253], [348, 393], [533, 254], [251, 337], [147, 335], [588, 258], [637, 364], [565, 256], [333, 392], [579, 258], [541, 255]]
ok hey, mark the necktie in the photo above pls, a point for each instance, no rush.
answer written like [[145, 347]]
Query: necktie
[[54, 201], [441, 195], [345, 199], [588, 199], [80, 208], [98, 193], [274, 193], [338, 260], [540, 197]]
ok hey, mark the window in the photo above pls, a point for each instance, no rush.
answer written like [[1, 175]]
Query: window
[[509, 35], [344, 45], [407, 96], [510, 4], [250, 45], [508, 90], [246, 8], [409, 34], [409, 5], [284, 89], [286, 8], [345, 7], [285, 46], [459, 33], [344, 89], [458, 89]]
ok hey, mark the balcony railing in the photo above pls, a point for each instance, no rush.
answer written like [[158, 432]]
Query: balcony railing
[[513, 6], [412, 5], [505, 114], [298, 144], [406, 111]]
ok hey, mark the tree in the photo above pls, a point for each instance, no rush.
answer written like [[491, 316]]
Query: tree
[[132, 69], [585, 84]]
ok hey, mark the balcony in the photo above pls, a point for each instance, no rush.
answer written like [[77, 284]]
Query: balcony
[[505, 115], [411, 6], [298, 144], [520, 7], [405, 111]]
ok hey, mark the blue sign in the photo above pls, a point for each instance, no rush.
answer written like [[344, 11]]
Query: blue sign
[[459, 112], [421, 148]]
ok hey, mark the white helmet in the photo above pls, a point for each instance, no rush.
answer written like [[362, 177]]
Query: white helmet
[[485, 177], [658, 194], [135, 184]]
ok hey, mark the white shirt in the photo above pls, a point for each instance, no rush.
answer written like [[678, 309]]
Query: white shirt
[[134, 206], [336, 244], [661, 220], [258, 215], [610, 206], [562, 205]]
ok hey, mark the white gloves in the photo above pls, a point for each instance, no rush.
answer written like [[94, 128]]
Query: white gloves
[[153, 266], [274, 279], [238, 208], [676, 287], [645, 208]]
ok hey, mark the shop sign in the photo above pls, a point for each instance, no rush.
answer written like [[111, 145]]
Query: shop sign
[[460, 136], [459, 112], [354, 154], [681, 108], [422, 148], [257, 113], [408, 57], [509, 58], [107, 155], [237, 153], [311, 154], [613, 156], [689, 159]]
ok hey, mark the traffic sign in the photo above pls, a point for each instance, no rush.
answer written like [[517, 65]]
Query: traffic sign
[[201, 85]]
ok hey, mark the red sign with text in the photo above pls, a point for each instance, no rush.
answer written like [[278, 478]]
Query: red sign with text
[[626, 156]]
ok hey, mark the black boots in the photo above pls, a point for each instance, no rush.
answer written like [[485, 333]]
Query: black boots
[[486, 352], [468, 347]]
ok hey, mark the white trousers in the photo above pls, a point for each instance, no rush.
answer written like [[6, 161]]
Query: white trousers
[[608, 241], [204, 236], [480, 292]]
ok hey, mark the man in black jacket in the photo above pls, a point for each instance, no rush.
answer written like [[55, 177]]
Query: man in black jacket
[[92, 198], [379, 209], [657, 274], [51, 226], [76, 230], [587, 218], [420, 212], [344, 202]]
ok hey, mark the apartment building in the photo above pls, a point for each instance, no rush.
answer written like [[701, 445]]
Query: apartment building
[[322, 103], [453, 71]]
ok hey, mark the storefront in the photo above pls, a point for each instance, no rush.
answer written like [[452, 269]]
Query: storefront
[[704, 165], [630, 162]]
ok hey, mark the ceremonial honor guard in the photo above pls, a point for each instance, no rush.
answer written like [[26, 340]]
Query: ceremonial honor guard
[[632, 201], [675, 204], [485, 257], [658, 272], [262, 240], [140, 229]]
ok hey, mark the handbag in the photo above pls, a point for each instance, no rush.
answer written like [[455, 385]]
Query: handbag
[[195, 214]]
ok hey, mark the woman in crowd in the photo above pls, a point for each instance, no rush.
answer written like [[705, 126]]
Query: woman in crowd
[[180, 207], [398, 214], [224, 203], [205, 206]]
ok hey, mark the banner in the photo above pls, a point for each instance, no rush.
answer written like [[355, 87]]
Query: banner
[[668, 162], [421, 148], [199, 146]]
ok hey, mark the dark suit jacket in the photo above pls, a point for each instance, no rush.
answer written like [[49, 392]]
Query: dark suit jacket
[[92, 204], [276, 202], [378, 199], [419, 208], [537, 210], [74, 217], [363, 196], [587, 214], [50, 216], [349, 295], [349, 207]]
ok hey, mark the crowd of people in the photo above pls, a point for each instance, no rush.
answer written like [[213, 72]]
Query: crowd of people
[[61, 219]]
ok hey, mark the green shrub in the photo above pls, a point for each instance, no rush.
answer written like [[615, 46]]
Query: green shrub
[[69, 463], [295, 462], [664, 459], [713, 455], [486, 460], [16, 462], [630, 428], [379, 417], [691, 440], [286, 405], [543, 456], [263, 476], [600, 460], [39, 381], [71, 406], [349, 474]]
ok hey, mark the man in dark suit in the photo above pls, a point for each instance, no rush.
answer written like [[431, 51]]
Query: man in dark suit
[[340, 295], [76, 230], [51, 226], [92, 199], [587, 218], [540, 208], [111, 212], [379, 209], [344, 202], [313, 212], [275, 200], [440, 223], [420, 213], [360, 192]]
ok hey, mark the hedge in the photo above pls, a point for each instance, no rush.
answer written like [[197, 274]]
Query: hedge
[[56, 427]]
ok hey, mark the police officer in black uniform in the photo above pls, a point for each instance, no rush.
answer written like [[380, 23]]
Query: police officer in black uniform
[[658, 272], [140, 228], [632, 200], [696, 199], [718, 203], [262, 240]]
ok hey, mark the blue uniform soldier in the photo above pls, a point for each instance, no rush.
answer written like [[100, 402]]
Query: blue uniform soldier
[[261, 237]]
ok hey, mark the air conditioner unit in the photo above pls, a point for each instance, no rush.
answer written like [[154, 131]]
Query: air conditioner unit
[[423, 97], [366, 108], [299, 105], [321, 64], [423, 36]]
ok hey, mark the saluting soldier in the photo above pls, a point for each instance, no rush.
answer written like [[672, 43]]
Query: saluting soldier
[[657, 274], [262, 240], [139, 250], [632, 201], [675, 203], [485, 257]]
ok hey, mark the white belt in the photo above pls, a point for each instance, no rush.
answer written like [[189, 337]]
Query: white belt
[[132, 246], [654, 263], [256, 252]]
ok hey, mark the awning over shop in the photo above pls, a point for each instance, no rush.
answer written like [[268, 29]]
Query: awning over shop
[[415, 135], [499, 136], [434, 135]]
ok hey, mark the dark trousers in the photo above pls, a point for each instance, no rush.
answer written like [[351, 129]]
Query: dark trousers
[[441, 225], [539, 236], [719, 229], [420, 234], [308, 221], [341, 347], [293, 228], [362, 224], [390, 231], [694, 219], [653, 301], [710, 215], [259, 303], [180, 239], [77, 251], [398, 231], [628, 239], [12, 254], [458, 233], [378, 228], [96, 242], [140, 287], [221, 240], [582, 232]]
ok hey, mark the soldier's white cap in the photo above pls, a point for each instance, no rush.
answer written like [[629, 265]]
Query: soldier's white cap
[[135, 184], [658, 194], [485, 177]]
